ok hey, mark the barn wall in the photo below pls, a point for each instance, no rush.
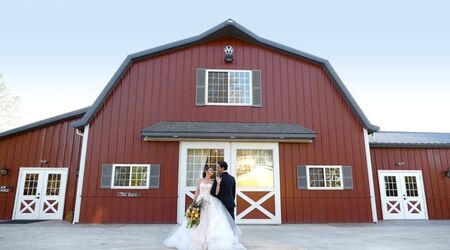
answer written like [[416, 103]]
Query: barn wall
[[162, 88], [58, 143], [431, 161]]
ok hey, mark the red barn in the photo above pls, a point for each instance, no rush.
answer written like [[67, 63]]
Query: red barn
[[295, 139]]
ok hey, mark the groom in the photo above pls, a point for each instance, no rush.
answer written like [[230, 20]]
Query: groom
[[224, 187]]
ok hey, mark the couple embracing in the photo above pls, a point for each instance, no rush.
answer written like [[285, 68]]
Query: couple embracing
[[216, 228]]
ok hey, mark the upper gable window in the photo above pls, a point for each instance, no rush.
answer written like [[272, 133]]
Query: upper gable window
[[228, 87]]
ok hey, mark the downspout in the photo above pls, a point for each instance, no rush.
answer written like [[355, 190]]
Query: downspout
[[76, 216], [370, 175], [79, 132]]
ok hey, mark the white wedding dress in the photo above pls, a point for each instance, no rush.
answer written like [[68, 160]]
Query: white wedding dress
[[216, 229]]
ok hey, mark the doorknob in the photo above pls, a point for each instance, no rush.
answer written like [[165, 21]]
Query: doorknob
[[37, 197]]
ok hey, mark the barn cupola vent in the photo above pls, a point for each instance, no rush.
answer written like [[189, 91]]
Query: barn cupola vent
[[229, 53]]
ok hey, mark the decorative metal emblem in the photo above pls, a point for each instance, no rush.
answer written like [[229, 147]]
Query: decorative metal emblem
[[229, 53]]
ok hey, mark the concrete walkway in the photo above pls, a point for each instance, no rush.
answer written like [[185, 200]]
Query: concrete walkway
[[386, 235]]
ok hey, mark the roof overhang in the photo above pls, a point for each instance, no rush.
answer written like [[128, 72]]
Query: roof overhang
[[227, 131], [45, 122], [409, 145], [392, 139]]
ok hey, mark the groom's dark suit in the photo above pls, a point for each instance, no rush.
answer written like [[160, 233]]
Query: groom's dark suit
[[227, 192]]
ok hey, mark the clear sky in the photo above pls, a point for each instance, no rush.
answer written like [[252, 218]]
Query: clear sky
[[393, 56]]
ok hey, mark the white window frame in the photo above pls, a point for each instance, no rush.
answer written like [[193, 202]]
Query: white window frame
[[324, 177], [228, 85], [129, 184]]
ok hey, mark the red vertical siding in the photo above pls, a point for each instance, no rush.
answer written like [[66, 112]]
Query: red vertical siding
[[162, 88], [432, 163], [57, 143]]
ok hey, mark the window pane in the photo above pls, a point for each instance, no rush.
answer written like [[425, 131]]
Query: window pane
[[30, 185], [196, 161], [240, 87], [254, 168], [390, 185], [316, 177], [217, 87], [139, 176], [53, 184], [411, 186], [122, 176], [333, 177]]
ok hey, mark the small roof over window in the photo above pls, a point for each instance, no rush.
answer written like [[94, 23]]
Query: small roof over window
[[179, 131]]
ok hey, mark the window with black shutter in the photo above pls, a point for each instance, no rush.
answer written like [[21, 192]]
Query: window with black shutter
[[228, 87]]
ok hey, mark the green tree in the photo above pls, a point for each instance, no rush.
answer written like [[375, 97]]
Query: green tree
[[9, 107]]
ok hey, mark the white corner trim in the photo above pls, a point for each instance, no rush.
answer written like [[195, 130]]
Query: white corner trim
[[370, 176], [17, 194], [76, 215]]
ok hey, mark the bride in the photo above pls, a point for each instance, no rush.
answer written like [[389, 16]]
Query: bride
[[216, 229]]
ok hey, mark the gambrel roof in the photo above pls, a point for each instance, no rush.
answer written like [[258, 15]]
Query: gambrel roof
[[229, 28]]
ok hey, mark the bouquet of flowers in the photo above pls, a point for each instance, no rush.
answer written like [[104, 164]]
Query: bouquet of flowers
[[193, 213]]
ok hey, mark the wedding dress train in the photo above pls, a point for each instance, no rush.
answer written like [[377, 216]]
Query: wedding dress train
[[216, 229]]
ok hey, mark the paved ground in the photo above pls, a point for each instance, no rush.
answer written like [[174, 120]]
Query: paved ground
[[386, 235]]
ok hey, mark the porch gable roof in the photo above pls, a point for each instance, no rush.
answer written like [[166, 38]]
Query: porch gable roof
[[176, 131]]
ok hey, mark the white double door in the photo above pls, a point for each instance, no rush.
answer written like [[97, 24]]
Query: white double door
[[402, 195], [40, 194], [255, 167]]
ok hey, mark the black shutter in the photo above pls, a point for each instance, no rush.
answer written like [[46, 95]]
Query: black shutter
[[154, 176], [347, 177], [106, 176], [200, 87], [301, 177], [256, 88]]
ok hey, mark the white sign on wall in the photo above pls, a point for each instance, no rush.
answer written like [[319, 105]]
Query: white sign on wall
[[5, 189]]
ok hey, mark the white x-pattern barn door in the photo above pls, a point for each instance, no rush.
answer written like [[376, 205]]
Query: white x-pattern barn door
[[40, 194], [255, 167], [402, 195]]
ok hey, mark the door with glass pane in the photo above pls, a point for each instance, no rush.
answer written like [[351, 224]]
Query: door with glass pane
[[40, 194], [256, 168], [194, 156], [402, 195]]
